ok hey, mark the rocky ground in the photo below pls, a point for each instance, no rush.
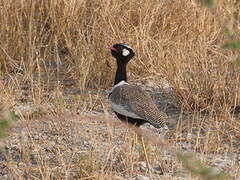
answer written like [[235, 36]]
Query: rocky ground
[[65, 138]]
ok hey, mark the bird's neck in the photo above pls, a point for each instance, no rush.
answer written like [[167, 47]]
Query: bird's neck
[[121, 74]]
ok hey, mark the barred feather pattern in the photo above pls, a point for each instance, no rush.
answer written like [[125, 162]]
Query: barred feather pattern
[[134, 99]]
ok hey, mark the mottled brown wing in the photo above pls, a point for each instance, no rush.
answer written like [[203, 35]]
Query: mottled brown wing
[[140, 102]]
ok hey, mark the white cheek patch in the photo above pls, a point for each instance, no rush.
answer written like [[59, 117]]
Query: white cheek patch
[[125, 52]]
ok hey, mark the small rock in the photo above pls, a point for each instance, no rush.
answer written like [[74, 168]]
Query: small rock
[[33, 158], [72, 91], [26, 110], [5, 177], [169, 90], [222, 162], [142, 166], [151, 83], [158, 170], [141, 177], [119, 177]]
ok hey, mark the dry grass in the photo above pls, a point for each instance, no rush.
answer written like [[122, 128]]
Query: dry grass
[[178, 40], [47, 46], [74, 147]]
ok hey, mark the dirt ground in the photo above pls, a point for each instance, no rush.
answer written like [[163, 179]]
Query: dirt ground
[[62, 140]]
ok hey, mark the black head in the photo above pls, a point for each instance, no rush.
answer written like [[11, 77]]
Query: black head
[[122, 52]]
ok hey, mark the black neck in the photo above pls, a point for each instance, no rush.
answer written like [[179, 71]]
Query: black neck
[[121, 74]]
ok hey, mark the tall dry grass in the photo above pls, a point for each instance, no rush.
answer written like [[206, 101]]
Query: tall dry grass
[[176, 39]]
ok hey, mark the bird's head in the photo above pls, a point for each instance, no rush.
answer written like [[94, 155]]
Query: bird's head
[[122, 52]]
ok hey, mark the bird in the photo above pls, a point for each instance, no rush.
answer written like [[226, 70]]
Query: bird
[[130, 102]]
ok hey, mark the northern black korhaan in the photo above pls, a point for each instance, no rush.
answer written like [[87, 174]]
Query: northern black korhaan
[[130, 102]]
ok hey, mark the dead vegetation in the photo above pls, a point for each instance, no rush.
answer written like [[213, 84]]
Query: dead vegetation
[[53, 60]]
